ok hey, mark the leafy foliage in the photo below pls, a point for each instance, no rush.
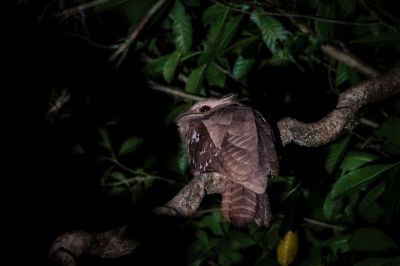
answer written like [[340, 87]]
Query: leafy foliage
[[342, 199], [271, 29]]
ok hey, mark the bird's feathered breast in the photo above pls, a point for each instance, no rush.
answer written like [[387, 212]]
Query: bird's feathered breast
[[234, 141]]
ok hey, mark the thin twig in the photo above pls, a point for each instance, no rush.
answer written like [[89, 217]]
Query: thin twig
[[323, 224], [124, 47], [143, 178], [290, 15], [350, 60], [223, 70], [73, 10], [139, 175], [122, 166], [319, 223], [384, 17], [174, 92], [92, 42], [43, 13], [328, 20], [368, 122], [205, 211]]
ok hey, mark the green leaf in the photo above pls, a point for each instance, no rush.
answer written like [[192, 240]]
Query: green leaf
[[215, 76], [212, 13], [347, 6], [373, 213], [246, 46], [105, 139], [77, 149], [182, 158], [130, 145], [390, 130], [353, 198], [209, 54], [118, 190], [281, 58], [147, 182], [391, 197], [357, 179], [202, 238], [219, 37], [229, 258], [272, 30], [341, 74], [331, 207], [155, 67], [379, 261], [213, 221], [181, 27], [354, 76], [229, 31], [195, 80], [199, 248], [336, 154], [371, 197], [338, 243], [118, 176], [242, 67], [370, 239], [170, 66], [325, 30], [197, 262], [170, 117], [240, 240], [357, 159]]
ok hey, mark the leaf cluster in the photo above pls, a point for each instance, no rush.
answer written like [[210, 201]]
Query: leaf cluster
[[345, 206]]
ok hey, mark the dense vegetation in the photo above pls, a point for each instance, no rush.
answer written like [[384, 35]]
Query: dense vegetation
[[105, 146]]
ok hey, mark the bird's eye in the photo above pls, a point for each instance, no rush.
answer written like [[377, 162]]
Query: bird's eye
[[205, 108]]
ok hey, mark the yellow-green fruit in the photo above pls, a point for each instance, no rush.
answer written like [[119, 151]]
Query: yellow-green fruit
[[287, 248]]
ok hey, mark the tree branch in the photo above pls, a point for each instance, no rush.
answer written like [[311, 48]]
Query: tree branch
[[122, 51], [188, 199], [71, 11], [333, 124], [173, 92], [350, 60], [110, 244]]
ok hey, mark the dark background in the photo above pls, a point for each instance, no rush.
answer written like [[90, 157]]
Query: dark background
[[48, 190]]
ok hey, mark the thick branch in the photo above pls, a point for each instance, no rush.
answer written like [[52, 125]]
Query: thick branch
[[349, 102], [71, 245], [111, 244], [188, 199], [186, 202]]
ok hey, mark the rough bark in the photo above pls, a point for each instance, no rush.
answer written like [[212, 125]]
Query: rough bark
[[343, 117], [305, 134], [113, 243], [73, 244]]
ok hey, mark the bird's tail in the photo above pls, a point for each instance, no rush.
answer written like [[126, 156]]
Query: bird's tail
[[240, 205]]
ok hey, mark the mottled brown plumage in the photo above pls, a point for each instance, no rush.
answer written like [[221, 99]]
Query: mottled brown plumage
[[227, 138]]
